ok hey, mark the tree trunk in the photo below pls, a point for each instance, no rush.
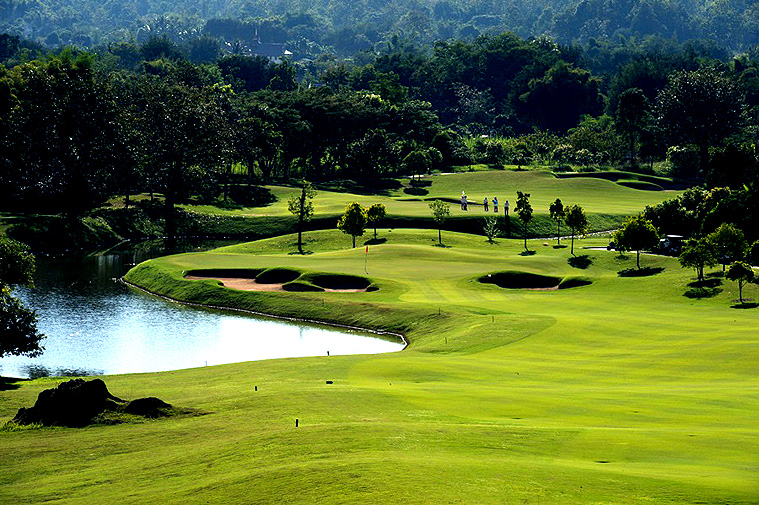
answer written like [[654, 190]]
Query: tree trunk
[[439, 236], [632, 148], [171, 223], [354, 241], [300, 231], [558, 233], [637, 258], [703, 162], [375, 233], [572, 249]]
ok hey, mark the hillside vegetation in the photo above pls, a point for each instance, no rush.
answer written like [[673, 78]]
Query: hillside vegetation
[[353, 26]]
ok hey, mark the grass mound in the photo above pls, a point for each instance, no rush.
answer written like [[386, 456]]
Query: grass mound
[[301, 287], [574, 282], [277, 276], [215, 273], [644, 185], [526, 280], [520, 280], [338, 281]]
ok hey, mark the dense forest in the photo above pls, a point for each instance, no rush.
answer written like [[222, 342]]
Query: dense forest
[[183, 101], [345, 28], [78, 126]]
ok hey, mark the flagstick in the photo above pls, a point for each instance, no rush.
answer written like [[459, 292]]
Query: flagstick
[[366, 256]]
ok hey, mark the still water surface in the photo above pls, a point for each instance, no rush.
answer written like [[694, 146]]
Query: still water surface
[[96, 325]]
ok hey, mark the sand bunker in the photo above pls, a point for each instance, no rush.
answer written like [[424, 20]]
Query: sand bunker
[[533, 282], [283, 279]]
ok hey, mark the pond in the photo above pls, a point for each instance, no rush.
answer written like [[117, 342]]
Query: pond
[[97, 325]]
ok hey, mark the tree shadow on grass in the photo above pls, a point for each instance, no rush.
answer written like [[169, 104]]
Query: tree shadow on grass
[[304, 253], [415, 191], [747, 304], [441, 245], [375, 241], [562, 246], [702, 292], [527, 253], [640, 272], [706, 283], [8, 383], [582, 262]]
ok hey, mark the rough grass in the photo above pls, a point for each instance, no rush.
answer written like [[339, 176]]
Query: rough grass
[[622, 391]]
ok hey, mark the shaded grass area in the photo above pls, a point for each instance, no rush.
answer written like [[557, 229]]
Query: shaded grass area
[[623, 391]]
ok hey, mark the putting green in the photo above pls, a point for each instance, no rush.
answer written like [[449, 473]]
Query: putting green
[[620, 391]]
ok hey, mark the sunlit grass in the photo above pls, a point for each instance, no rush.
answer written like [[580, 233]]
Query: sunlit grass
[[622, 391]]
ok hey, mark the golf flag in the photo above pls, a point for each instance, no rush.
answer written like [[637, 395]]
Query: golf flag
[[367, 250]]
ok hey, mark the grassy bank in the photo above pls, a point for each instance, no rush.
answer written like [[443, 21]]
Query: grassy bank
[[621, 391]]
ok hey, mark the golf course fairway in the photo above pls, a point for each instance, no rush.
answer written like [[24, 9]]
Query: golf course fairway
[[613, 390]]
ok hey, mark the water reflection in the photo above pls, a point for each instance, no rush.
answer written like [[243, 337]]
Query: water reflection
[[96, 325]]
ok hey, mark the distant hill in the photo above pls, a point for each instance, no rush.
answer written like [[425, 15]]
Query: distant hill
[[348, 26]]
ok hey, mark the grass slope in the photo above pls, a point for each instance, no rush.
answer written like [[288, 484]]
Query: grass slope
[[597, 196], [622, 391]]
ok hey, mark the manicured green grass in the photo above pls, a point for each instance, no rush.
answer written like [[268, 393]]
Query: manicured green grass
[[597, 196], [622, 391]]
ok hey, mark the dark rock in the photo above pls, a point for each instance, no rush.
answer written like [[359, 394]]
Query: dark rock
[[73, 403], [148, 407]]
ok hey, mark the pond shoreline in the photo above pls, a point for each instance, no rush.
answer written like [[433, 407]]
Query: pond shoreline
[[401, 336]]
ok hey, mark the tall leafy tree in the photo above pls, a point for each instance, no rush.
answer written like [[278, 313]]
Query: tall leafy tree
[[556, 210], [563, 94], [353, 221], [440, 211], [729, 244], [633, 115], [302, 207], [636, 234], [187, 135], [63, 135], [697, 254], [374, 215], [741, 273], [577, 222], [700, 107], [18, 324], [524, 211]]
